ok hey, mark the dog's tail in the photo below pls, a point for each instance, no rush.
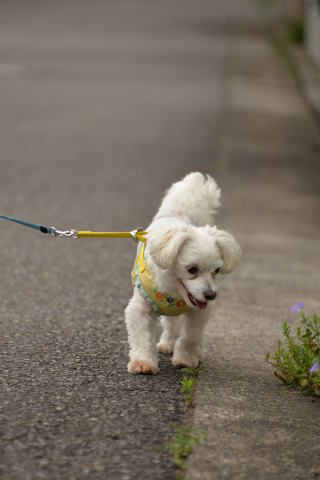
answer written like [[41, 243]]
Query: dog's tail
[[196, 197]]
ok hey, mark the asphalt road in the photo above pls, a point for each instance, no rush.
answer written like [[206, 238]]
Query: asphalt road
[[103, 105]]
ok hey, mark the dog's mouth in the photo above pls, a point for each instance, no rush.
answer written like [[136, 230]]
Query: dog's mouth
[[193, 300]]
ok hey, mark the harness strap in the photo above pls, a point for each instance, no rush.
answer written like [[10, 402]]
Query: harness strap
[[160, 302]]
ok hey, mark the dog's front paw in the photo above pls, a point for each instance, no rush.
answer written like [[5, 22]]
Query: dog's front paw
[[142, 366], [185, 359]]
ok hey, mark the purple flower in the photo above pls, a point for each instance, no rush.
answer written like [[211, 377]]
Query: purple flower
[[314, 368], [297, 307]]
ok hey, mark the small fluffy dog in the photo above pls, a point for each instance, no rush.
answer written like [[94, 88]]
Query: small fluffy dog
[[175, 275]]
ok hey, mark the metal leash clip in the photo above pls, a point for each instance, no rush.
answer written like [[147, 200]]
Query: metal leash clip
[[135, 232], [64, 233]]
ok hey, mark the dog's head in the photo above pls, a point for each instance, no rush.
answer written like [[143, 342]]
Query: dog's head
[[194, 256]]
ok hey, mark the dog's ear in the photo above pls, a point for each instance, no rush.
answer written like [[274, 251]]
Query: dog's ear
[[230, 250], [164, 247]]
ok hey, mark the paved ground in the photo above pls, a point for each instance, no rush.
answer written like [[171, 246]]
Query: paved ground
[[103, 105]]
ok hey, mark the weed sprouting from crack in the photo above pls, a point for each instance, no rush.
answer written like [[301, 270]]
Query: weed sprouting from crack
[[188, 384], [180, 447], [185, 436]]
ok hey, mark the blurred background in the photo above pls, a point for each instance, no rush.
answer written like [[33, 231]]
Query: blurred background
[[100, 98], [103, 104], [97, 97]]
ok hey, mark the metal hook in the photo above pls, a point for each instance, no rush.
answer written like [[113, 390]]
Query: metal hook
[[134, 234], [64, 233]]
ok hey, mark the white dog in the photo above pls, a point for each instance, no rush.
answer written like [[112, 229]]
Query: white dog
[[175, 275]]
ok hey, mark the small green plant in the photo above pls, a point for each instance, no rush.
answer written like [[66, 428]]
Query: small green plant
[[296, 31], [188, 384], [281, 46], [297, 361], [180, 447], [185, 437]]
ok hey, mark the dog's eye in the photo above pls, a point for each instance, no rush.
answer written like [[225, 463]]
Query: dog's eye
[[193, 270], [217, 270]]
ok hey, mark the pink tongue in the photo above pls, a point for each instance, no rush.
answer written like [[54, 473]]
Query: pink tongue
[[201, 305]]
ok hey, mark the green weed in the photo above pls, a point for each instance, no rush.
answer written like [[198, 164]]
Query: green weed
[[282, 46], [180, 447], [296, 32], [296, 361], [188, 384], [185, 437]]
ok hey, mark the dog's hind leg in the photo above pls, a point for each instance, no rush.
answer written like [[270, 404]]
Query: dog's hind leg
[[142, 331], [171, 331]]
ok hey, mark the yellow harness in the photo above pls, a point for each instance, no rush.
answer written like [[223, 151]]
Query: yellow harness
[[161, 303]]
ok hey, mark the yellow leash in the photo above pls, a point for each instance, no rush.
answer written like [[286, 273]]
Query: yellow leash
[[138, 235]]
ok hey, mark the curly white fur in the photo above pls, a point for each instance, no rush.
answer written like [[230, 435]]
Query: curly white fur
[[184, 251]]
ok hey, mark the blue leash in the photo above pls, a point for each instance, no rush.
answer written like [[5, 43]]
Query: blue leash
[[28, 224], [50, 230]]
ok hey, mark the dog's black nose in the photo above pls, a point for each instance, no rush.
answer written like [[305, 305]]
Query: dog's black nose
[[210, 295]]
